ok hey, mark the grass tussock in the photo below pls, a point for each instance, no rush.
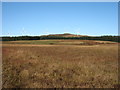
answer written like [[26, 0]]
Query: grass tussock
[[60, 67]]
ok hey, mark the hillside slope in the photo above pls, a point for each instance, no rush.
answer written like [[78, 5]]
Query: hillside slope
[[66, 35]]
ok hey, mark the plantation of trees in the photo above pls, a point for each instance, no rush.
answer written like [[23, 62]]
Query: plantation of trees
[[102, 38]]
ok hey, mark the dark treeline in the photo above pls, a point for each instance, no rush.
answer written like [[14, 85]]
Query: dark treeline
[[102, 38]]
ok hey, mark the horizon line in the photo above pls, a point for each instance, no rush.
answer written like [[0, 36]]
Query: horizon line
[[56, 34]]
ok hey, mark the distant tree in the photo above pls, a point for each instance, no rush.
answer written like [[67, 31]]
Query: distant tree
[[103, 38]]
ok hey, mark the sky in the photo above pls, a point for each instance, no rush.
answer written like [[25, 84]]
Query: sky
[[41, 18]]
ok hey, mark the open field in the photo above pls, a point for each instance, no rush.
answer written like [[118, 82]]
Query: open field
[[59, 42], [60, 64]]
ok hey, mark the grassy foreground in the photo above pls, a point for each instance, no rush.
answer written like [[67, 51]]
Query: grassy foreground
[[60, 66]]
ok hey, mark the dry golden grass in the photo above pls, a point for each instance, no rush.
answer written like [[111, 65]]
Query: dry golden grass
[[59, 42], [60, 66]]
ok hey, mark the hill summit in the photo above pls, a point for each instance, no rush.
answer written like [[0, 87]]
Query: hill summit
[[66, 35]]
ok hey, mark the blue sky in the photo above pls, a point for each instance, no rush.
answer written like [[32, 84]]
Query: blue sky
[[39, 18]]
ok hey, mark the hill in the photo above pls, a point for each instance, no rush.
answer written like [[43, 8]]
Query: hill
[[66, 35]]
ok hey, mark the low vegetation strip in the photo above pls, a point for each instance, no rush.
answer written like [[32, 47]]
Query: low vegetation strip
[[59, 42], [101, 38]]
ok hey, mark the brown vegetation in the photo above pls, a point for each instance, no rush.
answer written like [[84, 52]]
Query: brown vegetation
[[60, 66]]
